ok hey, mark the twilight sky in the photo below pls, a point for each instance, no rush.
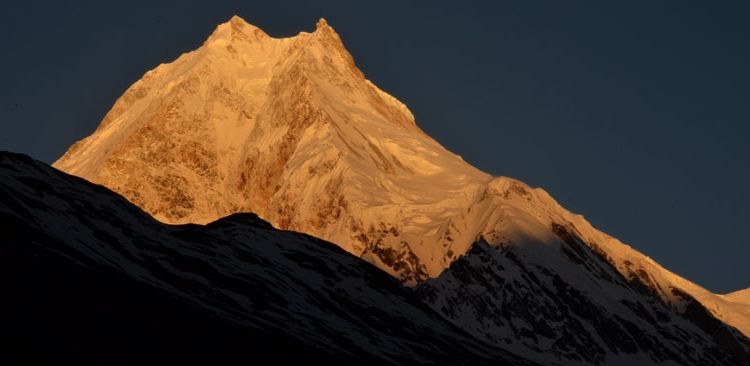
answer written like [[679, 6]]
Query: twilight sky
[[634, 114]]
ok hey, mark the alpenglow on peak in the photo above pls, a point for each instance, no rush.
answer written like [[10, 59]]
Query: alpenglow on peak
[[285, 127], [290, 129]]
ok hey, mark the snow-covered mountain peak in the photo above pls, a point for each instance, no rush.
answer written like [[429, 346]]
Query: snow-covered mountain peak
[[289, 128], [323, 29], [246, 125], [322, 24], [237, 29]]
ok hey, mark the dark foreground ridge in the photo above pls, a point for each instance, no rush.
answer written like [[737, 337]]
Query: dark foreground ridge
[[89, 279]]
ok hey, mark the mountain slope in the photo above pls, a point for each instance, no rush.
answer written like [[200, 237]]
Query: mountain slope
[[290, 128], [239, 279], [539, 280], [61, 313], [741, 296]]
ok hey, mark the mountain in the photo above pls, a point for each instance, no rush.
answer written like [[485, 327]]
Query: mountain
[[291, 129], [88, 278]]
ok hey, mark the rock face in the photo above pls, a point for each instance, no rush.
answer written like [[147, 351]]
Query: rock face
[[290, 129]]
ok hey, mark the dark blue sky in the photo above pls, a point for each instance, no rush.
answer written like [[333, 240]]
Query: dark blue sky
[[635, 114]]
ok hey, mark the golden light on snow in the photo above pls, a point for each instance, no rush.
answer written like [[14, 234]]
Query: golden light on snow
[[289, 128]]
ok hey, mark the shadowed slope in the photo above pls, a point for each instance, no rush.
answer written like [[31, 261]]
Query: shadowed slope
[[129, 282]]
